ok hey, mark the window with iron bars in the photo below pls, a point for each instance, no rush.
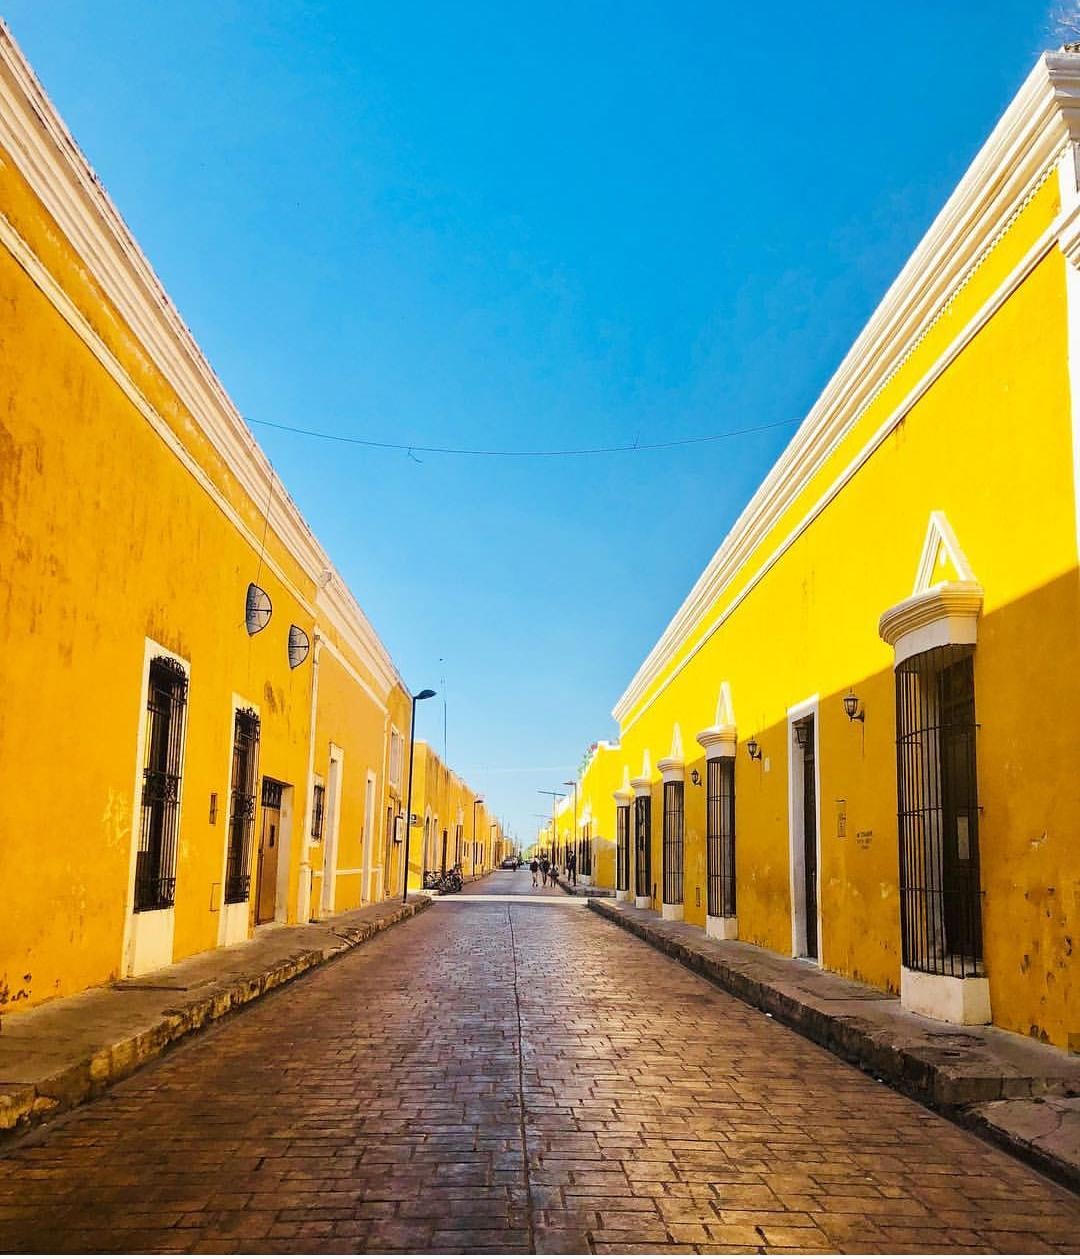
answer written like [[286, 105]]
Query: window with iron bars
[[622, 848], [584, 865], [155, 861], [643, 845], [720, 836], [673, 843], [937, 799], [242, 805], [318, 809]]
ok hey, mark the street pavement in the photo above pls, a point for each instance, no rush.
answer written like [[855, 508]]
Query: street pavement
[[501, 1075]]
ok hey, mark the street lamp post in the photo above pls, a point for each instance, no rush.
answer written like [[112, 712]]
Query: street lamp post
[[478, 800], [569, 783], [408, 798]]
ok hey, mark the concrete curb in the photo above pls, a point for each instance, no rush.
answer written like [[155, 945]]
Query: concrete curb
[[579, 889], [88, 1072], [1018, 1093]]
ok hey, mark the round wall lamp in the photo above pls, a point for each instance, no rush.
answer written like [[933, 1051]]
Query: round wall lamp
[[695, 778], [753, 749]]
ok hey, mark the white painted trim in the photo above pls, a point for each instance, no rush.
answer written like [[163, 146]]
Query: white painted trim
[[671, 913], [946, 613], [719, 928], [624, 895], [331, 830], [368, 843], [46, 155], [642, 902], [232, 927], [1069, 186], [305, 879], [286, 832], [671, 771], [946, 997], [796, 859], [940, 537], [741, 543], [133, 953]]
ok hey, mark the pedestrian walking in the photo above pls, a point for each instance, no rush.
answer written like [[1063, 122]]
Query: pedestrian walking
[[534, 866], [554, 875], [571, 867], [545, 866]]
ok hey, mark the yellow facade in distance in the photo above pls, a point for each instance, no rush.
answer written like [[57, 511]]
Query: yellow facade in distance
[[136, 511], [447, 830], [957, 402]]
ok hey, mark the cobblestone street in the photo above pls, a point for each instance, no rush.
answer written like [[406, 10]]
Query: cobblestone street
[[381, 1103]]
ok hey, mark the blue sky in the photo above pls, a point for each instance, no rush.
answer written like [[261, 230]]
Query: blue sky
[[517, 226]]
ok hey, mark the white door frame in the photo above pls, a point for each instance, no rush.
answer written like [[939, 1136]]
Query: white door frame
[[369, 837], [147, 941], [233, 921], [796, 850], [331, 830]]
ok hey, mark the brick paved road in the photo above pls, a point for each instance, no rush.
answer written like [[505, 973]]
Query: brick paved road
[[376, 1104]]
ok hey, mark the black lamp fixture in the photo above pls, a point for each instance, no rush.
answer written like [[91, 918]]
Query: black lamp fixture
[[695, 778], [854, 709], [753, 749], [802, 733]]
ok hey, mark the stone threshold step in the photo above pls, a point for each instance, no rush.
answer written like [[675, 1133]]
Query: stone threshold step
[[67, 1051], [1020, 1093]]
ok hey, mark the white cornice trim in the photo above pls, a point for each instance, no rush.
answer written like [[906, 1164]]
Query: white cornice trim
[[946, 613], [718, 741], [1020, 154], [672, 769], [623, 796], [40, 145], [641, 786]]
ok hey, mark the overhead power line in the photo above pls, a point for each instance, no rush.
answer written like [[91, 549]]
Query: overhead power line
[[412, 448]]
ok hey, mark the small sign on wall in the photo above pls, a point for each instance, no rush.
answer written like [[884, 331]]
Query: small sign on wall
[[841, 819]]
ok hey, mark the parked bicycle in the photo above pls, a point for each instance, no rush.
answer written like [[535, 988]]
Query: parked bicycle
[[444, 882]]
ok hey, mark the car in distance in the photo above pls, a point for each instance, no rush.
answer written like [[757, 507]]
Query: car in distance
[[509, 863]]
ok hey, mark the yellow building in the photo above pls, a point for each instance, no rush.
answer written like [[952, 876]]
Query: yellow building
[[855, 741], [200, 731], [451, 824]]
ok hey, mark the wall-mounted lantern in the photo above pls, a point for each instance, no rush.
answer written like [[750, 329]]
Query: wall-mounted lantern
[[257, 609], [854, 709], [802, 733], [299, 646], [695, 778], [753, 749]]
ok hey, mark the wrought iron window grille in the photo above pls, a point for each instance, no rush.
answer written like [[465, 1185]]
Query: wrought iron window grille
[[318, 808], [622, 848], [938, 812], [242, 805], [643, 844], [155, 860], [720, 836], [673, 843]]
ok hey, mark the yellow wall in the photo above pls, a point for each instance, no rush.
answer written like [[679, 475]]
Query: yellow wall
[[808, 627], [107, 540]]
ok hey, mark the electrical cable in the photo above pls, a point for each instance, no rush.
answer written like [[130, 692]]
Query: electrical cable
[[415, 448]]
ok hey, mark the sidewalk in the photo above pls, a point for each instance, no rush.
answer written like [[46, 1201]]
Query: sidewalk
[[579, 889], [1020, 1093], [69, 1050]]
